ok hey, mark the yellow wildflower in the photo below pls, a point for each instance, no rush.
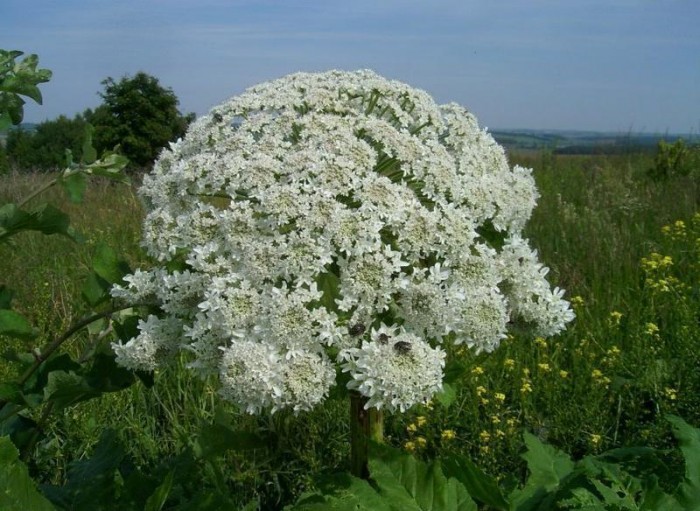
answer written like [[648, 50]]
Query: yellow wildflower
[[577, 301], [652, 329], [526, 387], [596, 440], [448, 434], [509, 363], [412, 428], [544, 367], [485, 436], [500, 397], [409, 446], [478, 370], [563, 373], [539, 341], [671, 393], [421, 420], [495, 419], [480, 390], [614, 319], [421, 442]]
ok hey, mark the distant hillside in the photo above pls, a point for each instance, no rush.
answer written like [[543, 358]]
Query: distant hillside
[[559, 141], [583, 142]]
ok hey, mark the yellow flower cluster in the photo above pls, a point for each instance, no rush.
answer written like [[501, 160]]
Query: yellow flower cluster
[[614, 318], [577, 302], [600, 378], [656, 262], [675, 231]]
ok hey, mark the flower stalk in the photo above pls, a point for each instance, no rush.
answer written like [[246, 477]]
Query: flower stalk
[[366, 425]]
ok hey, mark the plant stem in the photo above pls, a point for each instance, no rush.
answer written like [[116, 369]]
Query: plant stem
[[366, 425], [37, 192], [41, 356]]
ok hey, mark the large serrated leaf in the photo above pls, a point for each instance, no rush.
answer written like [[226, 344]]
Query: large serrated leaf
[[342, 492], [689, 441], [17, 490], [548, 467], [479, 485], [409, 484], [91, 481]]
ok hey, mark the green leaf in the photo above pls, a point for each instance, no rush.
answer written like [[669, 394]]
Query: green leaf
[[74, 185], [13, 324], [105, 375], [21, 430], [447, 395], [64, 389], [157, 500], [547, 466], [655, 499], [110, 166], [408, 484], [92, 480], [17, 490], [46, 219], [342, 492], [95, 290], [11, 392], [689, 441], [89, 153], [480, 486], [107, 264]]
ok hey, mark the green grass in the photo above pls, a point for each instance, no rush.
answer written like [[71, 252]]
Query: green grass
[[629, 358]]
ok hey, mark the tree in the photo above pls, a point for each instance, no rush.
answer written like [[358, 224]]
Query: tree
[[139, 115], [44, 148]]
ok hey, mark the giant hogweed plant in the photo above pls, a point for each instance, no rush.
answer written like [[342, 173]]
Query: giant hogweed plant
[[335, 227]]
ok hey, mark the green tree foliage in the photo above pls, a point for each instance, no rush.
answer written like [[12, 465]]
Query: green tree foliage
[[140, 116], [677, 159], [44, 148]]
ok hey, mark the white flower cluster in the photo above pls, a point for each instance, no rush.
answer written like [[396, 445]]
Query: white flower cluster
[[335, 220]]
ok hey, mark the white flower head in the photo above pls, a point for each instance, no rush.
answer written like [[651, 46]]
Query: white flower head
[[395, 372], [297, 220]]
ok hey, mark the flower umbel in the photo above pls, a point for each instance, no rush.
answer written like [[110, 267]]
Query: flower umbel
[[330, 220]]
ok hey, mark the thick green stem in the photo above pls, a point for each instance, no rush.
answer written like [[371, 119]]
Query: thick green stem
[[365, 425]]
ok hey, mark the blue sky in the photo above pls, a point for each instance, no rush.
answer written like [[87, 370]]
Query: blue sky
[[605, 65]]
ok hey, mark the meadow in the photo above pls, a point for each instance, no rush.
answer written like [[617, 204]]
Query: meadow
[[625, 248]]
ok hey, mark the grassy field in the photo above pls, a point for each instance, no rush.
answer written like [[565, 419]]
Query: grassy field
[[625, 248]]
